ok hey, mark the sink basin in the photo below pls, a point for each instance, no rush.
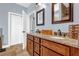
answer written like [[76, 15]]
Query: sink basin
[[56, 37]]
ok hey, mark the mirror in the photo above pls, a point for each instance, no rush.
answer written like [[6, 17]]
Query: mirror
[[40, 17], [62, 12]]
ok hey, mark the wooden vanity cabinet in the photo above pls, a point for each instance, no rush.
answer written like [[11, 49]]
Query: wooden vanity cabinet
[[37, 46]]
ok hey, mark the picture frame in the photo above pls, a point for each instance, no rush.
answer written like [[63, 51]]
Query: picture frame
[[40, 17]]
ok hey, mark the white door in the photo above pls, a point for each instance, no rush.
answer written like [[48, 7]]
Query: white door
[[16, 28]]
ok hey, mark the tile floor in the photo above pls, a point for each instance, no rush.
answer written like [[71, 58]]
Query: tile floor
[[15, 50], [23, 53]]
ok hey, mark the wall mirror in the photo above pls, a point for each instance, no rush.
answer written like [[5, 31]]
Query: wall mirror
[[62, 12], [40, 17]]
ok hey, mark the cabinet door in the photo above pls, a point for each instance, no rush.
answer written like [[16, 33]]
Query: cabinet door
[[48, 52], [36, 47], [30, 46]]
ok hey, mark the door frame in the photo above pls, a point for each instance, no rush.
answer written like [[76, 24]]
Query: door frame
[[9, 26]]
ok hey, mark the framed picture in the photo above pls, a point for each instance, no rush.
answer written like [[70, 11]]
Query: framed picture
[[40, 17]]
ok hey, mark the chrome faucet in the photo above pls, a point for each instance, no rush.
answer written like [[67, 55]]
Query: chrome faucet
[[59, 33]]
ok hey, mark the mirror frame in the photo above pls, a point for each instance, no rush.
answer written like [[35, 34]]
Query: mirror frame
[[63, 21], [43, 17]]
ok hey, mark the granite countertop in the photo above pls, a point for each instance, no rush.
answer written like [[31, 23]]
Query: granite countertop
[[62, 40]]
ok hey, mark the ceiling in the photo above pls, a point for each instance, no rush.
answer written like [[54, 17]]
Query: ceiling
[[25, 4]]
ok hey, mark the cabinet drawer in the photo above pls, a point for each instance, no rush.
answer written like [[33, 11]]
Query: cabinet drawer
[[36, 47], [36, 39], [30, 37], [59, 48], [47, 52], [35, 54]]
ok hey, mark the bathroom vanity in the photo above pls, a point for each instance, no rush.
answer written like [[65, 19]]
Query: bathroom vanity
[[46, 45]]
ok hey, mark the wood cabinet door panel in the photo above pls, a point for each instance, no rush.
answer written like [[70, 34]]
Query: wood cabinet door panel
[[30, 46], [36, 47], [47, 52], [64, 50]]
